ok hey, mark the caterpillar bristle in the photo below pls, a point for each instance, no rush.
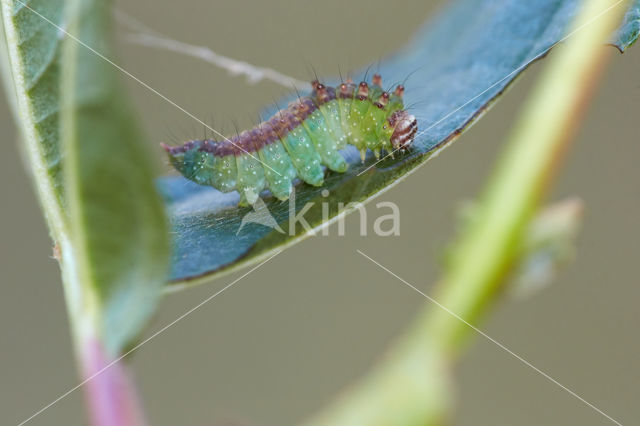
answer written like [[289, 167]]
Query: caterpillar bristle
[[322, 93], [346, 90], [363, 90]]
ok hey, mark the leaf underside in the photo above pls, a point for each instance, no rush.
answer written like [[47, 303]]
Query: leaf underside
[[462, 61], [117, 220], [94, 179], [38, 45]]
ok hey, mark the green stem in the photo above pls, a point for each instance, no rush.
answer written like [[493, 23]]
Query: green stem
[[409, 387], [482, 258]]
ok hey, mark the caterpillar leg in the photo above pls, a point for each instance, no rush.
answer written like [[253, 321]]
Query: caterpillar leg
[[357, 114], [251, 179], [304, 156], [324, 142], [224, 173], [331, 113], [278, 170]]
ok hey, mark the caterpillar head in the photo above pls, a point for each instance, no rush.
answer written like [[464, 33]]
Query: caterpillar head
[[405, 127]]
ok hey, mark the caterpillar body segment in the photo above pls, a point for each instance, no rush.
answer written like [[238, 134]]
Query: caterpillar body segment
[[299, 140]]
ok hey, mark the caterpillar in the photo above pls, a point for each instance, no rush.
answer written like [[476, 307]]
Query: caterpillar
[[296, 142]]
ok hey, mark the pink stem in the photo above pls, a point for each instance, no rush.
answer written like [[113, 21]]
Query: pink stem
[[109, 390]]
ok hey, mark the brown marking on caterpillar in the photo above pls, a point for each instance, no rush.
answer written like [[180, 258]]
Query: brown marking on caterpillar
[[289, 118], [322, 94], [253, 140]]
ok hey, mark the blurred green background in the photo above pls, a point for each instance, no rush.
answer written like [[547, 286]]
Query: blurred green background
[[284, 340]]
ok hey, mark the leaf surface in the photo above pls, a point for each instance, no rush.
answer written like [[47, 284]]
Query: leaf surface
[[461, 62]]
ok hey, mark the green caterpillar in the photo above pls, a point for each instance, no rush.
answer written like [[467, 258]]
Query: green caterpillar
[[298, 140]]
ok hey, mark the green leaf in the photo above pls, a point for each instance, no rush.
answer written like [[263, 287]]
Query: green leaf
[[462, 62], [117, 219], [93, 176], [31, 69]]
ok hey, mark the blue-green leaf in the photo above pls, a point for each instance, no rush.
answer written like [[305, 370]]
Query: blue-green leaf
[[630, 28], [462, 61]]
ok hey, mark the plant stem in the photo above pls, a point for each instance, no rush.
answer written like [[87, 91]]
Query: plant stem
[[111, 396], [409, 387], [109, 389], [484, 255], [94, 184]]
